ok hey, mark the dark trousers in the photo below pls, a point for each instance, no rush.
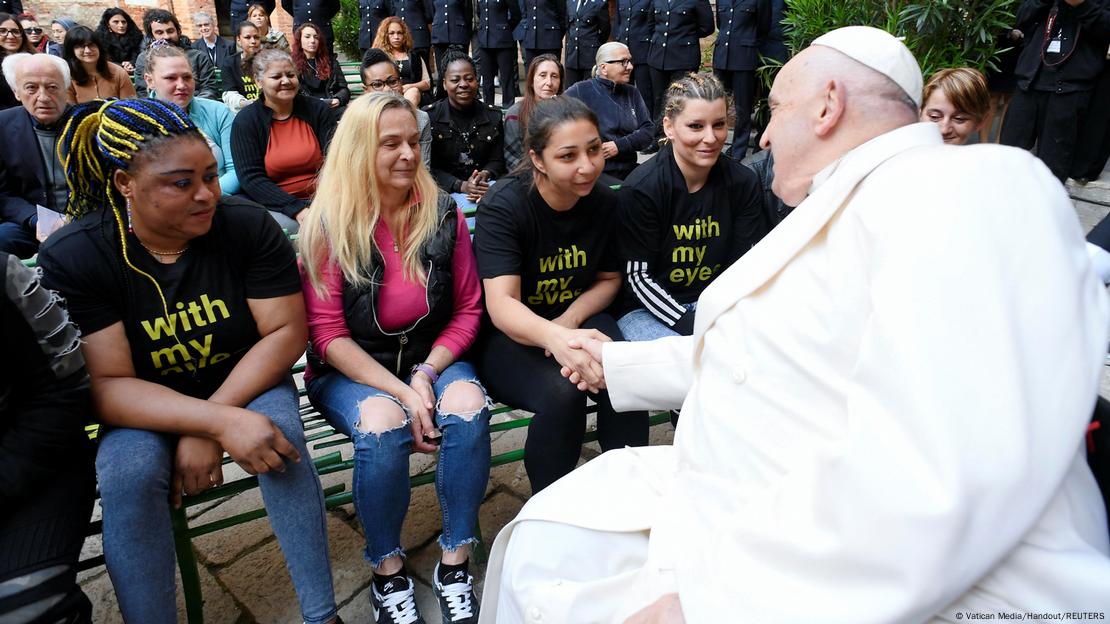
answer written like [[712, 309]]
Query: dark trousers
[[571, 76], [742, 85], [440, 49], [523, 377], [17, 240], [500, 62], [43, 532], [531, 53], [1093, 149], [641, 77], [1048, 120]]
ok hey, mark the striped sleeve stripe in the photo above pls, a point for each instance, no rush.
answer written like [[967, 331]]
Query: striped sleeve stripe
[[654, 298]]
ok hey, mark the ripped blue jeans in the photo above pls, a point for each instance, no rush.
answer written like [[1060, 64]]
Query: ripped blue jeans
[[381, 473]]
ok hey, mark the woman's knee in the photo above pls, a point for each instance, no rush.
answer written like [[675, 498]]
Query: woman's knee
[[462, 398], [134, 461], [378, 415]]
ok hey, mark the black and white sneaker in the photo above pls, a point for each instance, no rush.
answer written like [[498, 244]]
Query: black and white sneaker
[[396, 603], [457, 603]]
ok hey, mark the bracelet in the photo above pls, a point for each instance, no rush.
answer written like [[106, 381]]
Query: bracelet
[[427, 369]]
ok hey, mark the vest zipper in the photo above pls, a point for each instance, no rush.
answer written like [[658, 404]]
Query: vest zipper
[[403, 340]]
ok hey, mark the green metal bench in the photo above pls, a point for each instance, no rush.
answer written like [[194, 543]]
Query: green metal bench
[[318, 435]]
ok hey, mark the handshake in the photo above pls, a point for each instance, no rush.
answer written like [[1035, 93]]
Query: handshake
[[578, 352]]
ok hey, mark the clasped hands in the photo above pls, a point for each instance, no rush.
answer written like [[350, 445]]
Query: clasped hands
[[578, 352]]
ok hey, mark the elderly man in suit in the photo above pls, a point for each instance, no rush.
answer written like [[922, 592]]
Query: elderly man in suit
[[882, 413], [30, 174], [210, 42]]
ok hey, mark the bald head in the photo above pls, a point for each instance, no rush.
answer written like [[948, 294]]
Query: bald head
[[824, 104]]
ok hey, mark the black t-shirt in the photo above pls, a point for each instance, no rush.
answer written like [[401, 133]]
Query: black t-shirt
[[244, 256], [556, 254], [675, 243]]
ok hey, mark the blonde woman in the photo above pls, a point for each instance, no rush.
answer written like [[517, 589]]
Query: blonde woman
[[391, 289]]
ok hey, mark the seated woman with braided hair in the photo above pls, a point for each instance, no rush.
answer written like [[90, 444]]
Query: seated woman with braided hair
[[191, 317]]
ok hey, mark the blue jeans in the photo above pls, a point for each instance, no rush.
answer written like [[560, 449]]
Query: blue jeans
[[640, 325], [134, 466], [381, 472]]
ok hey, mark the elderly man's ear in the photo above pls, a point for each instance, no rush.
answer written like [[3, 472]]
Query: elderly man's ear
[[832, 108]]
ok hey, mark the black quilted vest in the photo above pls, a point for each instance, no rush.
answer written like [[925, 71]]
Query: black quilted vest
[[398, 351]]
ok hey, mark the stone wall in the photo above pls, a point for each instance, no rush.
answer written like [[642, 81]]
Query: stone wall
[[88, 12]]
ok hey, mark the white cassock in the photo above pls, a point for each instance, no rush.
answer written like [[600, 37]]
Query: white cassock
[[883, 411]]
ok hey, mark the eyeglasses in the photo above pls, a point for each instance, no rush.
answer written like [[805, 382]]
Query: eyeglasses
[[34, 30], [390, 82], [10, 32], [624, 62]]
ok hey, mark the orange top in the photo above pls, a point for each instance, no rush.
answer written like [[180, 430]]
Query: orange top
[[293, 157]]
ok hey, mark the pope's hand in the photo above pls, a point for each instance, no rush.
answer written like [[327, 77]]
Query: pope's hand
[[592, 347], [666, 610]]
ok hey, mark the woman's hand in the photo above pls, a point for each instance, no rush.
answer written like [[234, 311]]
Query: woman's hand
[[476, 186], [609, 149], [196, 467], [420, 402], [577, 360], [593, 347], [334, 103], [254, 442], [128, 67]]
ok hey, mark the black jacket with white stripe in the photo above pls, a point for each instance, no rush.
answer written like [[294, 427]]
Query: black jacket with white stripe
[[674, 242]]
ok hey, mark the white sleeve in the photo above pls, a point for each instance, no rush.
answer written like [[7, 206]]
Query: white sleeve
[[655, 374], [973, 384]]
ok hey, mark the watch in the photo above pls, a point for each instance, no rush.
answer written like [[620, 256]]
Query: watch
[[427, 369]]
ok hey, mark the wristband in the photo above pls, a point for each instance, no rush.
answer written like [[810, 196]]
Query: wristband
[[427, 369]]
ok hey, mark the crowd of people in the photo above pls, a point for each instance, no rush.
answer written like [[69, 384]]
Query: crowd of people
[[451, 252]]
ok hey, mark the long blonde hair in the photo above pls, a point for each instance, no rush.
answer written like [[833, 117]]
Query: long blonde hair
[[340, 225]]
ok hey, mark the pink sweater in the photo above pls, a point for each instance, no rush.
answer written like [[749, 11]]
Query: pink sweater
[[399, 302]]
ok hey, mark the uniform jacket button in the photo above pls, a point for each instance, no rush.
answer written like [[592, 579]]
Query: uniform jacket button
[[535, 614]]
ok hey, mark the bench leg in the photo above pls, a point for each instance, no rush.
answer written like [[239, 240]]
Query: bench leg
[[187, 563]]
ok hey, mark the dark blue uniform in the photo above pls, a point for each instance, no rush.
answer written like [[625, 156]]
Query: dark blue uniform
[[740, 26], [319, 12], [541, 28], [634, 27], [416, 14], [677, 25], [496, 47], [371, 13], [451, 27], [587, 29]]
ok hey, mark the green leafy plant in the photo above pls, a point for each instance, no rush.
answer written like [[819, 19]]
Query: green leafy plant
[[345, 26], [940, 33]]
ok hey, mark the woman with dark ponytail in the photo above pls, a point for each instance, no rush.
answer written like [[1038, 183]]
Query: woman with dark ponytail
[[547, 259], [191, 317]]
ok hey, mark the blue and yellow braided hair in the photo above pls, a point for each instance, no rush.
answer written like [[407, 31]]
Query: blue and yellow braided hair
[[102, 136]]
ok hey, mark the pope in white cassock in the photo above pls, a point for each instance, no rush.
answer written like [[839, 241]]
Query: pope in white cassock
[[883, 403]]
